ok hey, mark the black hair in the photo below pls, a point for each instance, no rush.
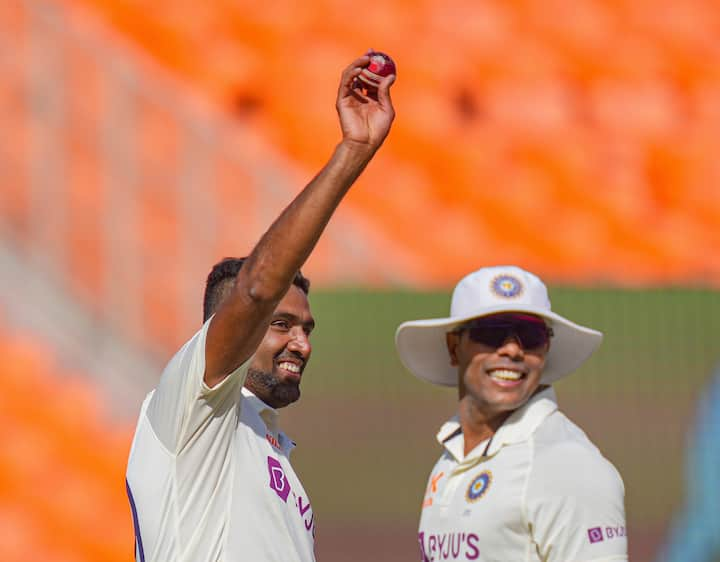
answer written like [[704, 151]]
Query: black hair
[[221, 280]]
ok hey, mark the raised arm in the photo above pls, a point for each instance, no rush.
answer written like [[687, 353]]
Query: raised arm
[[239, 325]]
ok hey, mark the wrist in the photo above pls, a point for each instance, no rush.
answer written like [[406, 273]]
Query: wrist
[[349, 160], [356, 150]]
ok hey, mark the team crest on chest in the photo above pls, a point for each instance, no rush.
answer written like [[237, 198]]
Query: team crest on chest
[[506, 286], [479, 486]]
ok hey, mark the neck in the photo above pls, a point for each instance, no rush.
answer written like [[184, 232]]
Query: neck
[[477, 424]]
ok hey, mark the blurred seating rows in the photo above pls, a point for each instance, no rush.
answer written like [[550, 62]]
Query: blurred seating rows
[[579, 140], [61, 464], [576, 138], [581, 147], [127, 194]]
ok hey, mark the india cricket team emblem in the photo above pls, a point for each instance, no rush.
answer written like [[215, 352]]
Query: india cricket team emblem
[[506, 286], [479, 486]]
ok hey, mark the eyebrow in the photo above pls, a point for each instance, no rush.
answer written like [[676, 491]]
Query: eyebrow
[[310, 324]]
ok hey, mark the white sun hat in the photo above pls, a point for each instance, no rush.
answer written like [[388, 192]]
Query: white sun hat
[[491, 290]]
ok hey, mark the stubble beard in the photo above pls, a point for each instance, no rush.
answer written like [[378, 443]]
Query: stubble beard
[[271, 390]]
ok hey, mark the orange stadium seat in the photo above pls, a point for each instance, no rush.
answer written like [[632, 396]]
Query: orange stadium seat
[[544, 140], [61, 465]]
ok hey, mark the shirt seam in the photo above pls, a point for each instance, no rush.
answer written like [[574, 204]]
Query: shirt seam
[[206, 391]]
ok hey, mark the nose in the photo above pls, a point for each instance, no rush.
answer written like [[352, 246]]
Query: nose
[[299, 342], [512, 347]]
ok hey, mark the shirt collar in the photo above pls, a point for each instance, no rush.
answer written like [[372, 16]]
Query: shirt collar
[[270, 416], [450, 436], [521, 424]]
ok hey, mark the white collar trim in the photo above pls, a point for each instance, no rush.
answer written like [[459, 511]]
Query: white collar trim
[[270, 416], [521, 424]]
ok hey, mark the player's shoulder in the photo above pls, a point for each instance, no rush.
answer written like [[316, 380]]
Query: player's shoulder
[[146, 402], [557, 434], [192, 351], [564, 457]]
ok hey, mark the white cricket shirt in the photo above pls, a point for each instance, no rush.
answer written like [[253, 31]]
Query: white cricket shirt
[[209, 476], [541, 492]]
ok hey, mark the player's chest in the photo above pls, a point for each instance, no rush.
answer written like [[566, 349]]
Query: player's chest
[[265, 477], [468, 512]]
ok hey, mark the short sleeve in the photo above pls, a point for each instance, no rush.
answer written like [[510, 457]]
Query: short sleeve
[[182, 403], [575, 506]]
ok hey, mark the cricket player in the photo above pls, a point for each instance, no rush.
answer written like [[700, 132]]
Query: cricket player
[[209, 477], [517, 481]]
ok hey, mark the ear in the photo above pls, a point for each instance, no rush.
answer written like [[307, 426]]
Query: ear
[[452, 340]]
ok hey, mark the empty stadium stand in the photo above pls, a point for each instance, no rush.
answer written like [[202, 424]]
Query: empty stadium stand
[[148, 144], [577, 139], [61, 464], [140, 143]]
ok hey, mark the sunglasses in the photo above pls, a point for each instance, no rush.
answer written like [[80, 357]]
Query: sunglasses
[[494, 331]]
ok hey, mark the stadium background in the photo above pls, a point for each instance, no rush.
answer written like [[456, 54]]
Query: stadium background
[[139, 144]]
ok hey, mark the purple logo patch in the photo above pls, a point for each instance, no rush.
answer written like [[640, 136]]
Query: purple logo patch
[[595, 534], [278, 481]]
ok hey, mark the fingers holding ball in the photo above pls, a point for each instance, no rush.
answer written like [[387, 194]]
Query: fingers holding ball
[[379, 67]]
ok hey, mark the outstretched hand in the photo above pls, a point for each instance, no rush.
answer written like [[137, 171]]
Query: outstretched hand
[[364, 119]]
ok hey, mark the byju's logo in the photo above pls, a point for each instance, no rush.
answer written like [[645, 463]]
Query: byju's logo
[[595, 534], [421, 540], [278, 480]]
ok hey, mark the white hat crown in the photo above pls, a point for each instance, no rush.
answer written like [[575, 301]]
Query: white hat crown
[[492, 287], [493, 290]]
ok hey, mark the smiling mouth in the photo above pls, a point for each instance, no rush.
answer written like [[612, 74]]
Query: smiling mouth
[[506, 375], [291, 368]]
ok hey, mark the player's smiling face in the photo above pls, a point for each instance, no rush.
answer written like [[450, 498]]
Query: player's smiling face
[[497, 379], [278, 364]]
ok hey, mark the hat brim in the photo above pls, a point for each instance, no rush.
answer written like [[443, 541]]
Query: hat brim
[[422, 347]]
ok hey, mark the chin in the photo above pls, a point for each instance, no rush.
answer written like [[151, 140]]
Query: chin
[[272, 389], [507, 401], [286, 394]]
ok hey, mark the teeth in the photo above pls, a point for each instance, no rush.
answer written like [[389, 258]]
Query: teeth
[[505, 375], [292, 367]]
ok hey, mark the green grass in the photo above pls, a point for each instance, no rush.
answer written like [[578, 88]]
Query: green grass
[[664, 338]]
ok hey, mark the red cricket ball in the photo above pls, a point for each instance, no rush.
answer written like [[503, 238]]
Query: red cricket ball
[[381, 65]]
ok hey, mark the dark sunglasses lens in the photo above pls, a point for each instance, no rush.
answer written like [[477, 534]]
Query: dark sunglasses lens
[[494, 332], [492, 336], [532, 335]]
